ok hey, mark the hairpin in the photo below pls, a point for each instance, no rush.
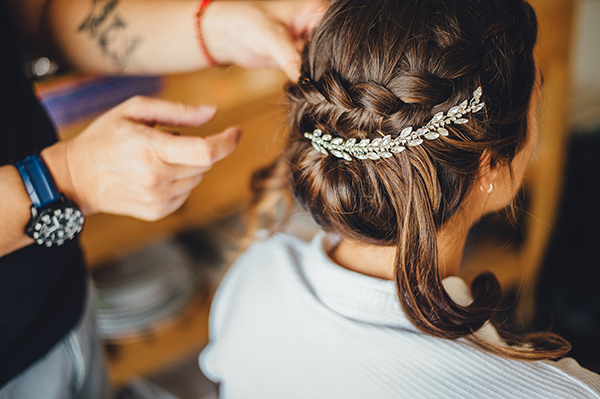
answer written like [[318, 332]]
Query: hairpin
[[387, 146]]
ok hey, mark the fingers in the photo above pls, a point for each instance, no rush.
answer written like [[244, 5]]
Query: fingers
[[195, 151], [153, 111], [297, 18], [284, 52], [301, 17], [224, 143], [176, 203], [184, 186], [163, 199], [157, 213]]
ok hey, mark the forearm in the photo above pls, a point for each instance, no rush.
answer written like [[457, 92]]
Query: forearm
[[15, 203], [161, 36], [125, 36]]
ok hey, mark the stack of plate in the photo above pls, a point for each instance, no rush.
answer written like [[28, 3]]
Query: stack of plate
[[144, 291]]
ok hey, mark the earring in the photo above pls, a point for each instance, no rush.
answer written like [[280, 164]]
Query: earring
[[489, 190]]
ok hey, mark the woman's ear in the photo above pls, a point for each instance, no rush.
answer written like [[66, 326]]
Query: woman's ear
[[488, 172]]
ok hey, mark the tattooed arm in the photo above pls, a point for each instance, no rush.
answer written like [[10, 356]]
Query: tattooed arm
[[119, 164], [159, 36]]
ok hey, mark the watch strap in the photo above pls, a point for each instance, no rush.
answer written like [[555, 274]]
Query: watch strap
[[37, 180]]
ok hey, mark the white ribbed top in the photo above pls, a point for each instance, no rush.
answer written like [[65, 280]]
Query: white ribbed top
[[287, 323]]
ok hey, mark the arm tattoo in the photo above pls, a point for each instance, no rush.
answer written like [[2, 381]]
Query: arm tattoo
[[104, 26]]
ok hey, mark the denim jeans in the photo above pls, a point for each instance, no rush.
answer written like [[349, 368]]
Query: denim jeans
[[73, 369]]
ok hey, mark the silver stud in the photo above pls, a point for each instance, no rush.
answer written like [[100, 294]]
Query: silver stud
[[337, 153], [437, 117], [319, 148], [406, 132], [432, 135]]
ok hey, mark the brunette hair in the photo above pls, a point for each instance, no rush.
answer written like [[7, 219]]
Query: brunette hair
[[374, 67]]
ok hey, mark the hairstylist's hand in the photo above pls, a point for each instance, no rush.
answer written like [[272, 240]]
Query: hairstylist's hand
[[122, 165], [260, 33]]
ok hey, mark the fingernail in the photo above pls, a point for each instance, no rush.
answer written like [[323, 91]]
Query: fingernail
[[207, 108], [238, 133]]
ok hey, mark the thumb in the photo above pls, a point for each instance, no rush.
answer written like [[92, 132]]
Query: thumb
[[224, 143], [195, 151], [284, 52]]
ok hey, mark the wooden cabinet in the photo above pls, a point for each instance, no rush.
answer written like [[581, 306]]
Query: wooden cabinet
[[544, 179]]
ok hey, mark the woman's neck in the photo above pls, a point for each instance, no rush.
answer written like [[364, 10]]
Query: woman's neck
[[377, 261]]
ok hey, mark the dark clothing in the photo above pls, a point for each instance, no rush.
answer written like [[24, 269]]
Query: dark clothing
[[42, 290]]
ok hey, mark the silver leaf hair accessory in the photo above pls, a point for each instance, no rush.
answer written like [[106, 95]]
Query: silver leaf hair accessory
[[387, 146]]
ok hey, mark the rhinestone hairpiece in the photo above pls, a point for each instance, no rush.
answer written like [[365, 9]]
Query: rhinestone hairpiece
[[386, 147]]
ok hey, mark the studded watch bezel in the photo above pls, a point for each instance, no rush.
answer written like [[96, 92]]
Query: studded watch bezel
[[63, 216]]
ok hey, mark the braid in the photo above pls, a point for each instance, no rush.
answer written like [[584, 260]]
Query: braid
[[409, 61]]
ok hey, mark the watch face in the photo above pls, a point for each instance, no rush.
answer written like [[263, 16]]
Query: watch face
[[55, 226]]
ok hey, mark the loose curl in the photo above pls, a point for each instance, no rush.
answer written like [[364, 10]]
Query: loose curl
[[374, 67]]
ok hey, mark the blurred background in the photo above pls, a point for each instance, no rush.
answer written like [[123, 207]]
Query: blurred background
[[156, 280]]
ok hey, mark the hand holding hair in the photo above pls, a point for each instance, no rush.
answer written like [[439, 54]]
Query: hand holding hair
[[122, 165], [259, 34]]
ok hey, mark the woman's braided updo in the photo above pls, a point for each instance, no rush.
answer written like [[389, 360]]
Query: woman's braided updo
[[374, 67]]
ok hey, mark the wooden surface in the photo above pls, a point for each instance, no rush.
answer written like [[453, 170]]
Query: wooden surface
[[544, 179]]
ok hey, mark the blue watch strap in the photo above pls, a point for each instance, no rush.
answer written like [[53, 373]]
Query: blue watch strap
[[38, 181]]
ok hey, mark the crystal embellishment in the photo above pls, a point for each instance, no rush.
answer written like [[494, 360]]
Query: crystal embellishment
[[387, 146]]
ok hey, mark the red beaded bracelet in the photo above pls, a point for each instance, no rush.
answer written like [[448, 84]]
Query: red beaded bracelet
[[211, 60]]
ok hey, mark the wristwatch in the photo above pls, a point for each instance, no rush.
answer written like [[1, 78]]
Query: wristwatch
[[54, 219]]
